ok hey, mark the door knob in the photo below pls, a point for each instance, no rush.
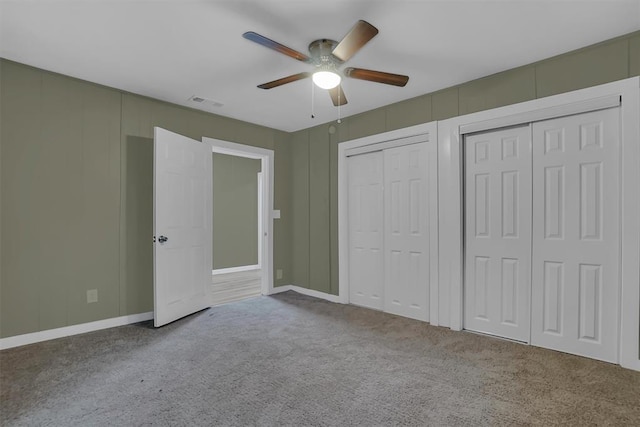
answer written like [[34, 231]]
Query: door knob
[[162, 239]]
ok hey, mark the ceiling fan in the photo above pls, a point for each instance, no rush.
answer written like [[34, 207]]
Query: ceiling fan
[[327, 56]]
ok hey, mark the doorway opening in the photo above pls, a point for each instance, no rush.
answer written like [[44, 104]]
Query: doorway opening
[[242, 225]]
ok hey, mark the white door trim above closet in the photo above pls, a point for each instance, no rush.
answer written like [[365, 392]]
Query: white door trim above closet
[[543, 114], [424, 132], [450, 137], [387, 144]]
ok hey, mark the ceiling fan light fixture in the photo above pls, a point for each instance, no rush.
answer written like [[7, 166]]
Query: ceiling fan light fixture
[[327, 56], [326, 79]]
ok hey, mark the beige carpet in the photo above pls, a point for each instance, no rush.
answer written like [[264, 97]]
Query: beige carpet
[[294, 360]]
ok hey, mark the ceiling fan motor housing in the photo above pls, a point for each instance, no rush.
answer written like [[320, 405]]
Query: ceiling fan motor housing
[[320, 51]]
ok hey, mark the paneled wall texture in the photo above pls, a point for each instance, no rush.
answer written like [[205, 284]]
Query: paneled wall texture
[[314, 151], [76, 180], [77, 192]]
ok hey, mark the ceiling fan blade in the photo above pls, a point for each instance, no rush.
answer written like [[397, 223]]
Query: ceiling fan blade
[[284, 80], [262, 40], [376, 76], [357, 37], [337, 96]]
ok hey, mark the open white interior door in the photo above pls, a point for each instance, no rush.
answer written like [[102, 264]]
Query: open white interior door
[[182, 226]]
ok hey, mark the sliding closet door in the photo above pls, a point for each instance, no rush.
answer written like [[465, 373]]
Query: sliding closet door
[[498, 232], [407, 223], [366, 272], [576, 246]]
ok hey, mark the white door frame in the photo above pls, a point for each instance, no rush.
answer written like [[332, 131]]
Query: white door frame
[[266, 157], [450, 136], [363, 145], [261, 222]]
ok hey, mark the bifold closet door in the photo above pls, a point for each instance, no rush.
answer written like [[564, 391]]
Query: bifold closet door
[[366, 261], [498, 232], [407, 224], [576, 235]]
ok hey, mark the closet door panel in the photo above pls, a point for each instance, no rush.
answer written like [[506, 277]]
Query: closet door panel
[[498, 232], [366, 271], [407, 229], [576, 257]]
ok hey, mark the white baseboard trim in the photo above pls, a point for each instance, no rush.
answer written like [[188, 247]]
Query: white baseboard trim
[[67, 331], [279, 289], [309, 292], [51, 334], [235, 269]]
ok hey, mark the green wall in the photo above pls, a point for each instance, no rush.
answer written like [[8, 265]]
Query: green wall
[[76, 180], [60, 200], [76, 176], [315, 194], [235, 211]]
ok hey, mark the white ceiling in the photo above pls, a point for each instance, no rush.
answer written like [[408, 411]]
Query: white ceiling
[[173, 49]]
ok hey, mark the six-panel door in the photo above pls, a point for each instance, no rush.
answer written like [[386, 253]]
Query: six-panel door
[[406, 218], [182, 225], [576, 234], [366, 256], [498, 232]]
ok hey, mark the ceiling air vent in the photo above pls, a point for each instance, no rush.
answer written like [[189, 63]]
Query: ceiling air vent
[[204, 101]]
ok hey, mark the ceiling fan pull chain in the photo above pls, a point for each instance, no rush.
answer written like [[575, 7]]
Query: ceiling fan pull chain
[[313, 116], [339, 107]]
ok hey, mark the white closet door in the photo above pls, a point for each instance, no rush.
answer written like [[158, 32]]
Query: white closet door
[[366, 271], [407, 220], [576, 234], [498, 232]]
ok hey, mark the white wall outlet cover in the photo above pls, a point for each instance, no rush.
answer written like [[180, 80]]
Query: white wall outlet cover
[[278, 274], [276, 214], [92, 296]]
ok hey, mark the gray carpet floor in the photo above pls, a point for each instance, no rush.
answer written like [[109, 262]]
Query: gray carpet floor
[[294, 360]]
